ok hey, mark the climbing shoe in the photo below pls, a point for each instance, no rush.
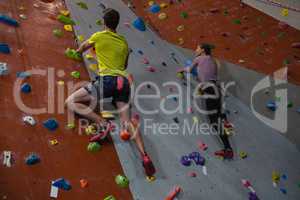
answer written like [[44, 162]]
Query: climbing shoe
[[148, 166]]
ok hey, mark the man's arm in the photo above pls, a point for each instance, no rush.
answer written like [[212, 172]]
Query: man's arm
[[84, 46], [189, 68]]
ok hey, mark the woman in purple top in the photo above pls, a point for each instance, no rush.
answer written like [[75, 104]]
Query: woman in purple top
[[207, 76]]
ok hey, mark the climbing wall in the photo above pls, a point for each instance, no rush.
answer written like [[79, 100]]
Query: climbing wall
[[267, 152]]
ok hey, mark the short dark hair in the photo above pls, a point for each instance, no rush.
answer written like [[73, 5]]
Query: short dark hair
[[207, 48], [111, 18]]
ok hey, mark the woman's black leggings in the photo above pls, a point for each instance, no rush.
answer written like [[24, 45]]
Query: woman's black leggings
[[215, 118]]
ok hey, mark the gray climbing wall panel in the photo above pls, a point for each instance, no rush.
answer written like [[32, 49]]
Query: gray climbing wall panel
[[267, 151]]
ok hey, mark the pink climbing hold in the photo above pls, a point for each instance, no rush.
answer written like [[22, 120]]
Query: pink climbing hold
[[145, 61], [202, 146], [296, 45], [192, 174], [283, 25], [151, 69]]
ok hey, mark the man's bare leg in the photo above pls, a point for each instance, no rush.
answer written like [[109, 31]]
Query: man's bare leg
[[134, 131], [75, 104]]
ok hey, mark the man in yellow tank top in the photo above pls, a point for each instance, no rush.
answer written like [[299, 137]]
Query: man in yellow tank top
[[112, 55]]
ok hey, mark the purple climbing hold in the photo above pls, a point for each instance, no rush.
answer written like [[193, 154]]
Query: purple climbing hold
[[197, 158], [186, 161], [253, 196]]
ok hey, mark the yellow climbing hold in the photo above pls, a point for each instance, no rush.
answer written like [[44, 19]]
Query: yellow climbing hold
[[195, 120], [80, 38], [60, 82], [180, 41], [150, 178], [93, 67], [284, 12], [162, 16], [68, 28], [53, 142], [70, 126], [64, 12], [163, 5], [150, 3], [180, 28]]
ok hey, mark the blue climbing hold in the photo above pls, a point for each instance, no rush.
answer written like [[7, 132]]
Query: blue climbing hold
[[272, 105], [8, 20], [284, 191], [26, 88], [50, 124], [140, 52], [62, 184], [284, 177], [4, 48], [32, 159], [154, 8], [139, 24], [152, 42]]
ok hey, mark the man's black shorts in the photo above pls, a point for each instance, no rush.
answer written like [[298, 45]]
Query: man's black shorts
[[117, 87]]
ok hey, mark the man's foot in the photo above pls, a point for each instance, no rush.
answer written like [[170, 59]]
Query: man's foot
[[225, 154], [148, 166]]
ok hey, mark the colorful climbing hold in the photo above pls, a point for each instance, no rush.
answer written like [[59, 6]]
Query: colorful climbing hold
[[65, 20], [110, 198], [57, 33], [83, 183], [180, 41], [32, 159], [75, 74], [82, 5], [99, 22], [64, 12], [180, 28], [4, 48], [122, 181], [53, 142], [162, 16], [3, 69], [62, 184], [68, 28], [271, 105], [93, 147], [29, 120], [26, 88], [243, 155], [237, 21], [139, 24], [154, 8], [73, 54], [284, 12], [186, 161], [51, 124], [184, 15]]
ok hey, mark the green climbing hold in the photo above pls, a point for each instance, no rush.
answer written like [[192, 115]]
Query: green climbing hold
[[110, 198], [93, 147], [82, 5], [290, 104], [75, 74], [237, 21], [122, 181], [65, 20], [184, 15], [286, 62], [99, 22], [280, 35], [57, 33], [73, 54]]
